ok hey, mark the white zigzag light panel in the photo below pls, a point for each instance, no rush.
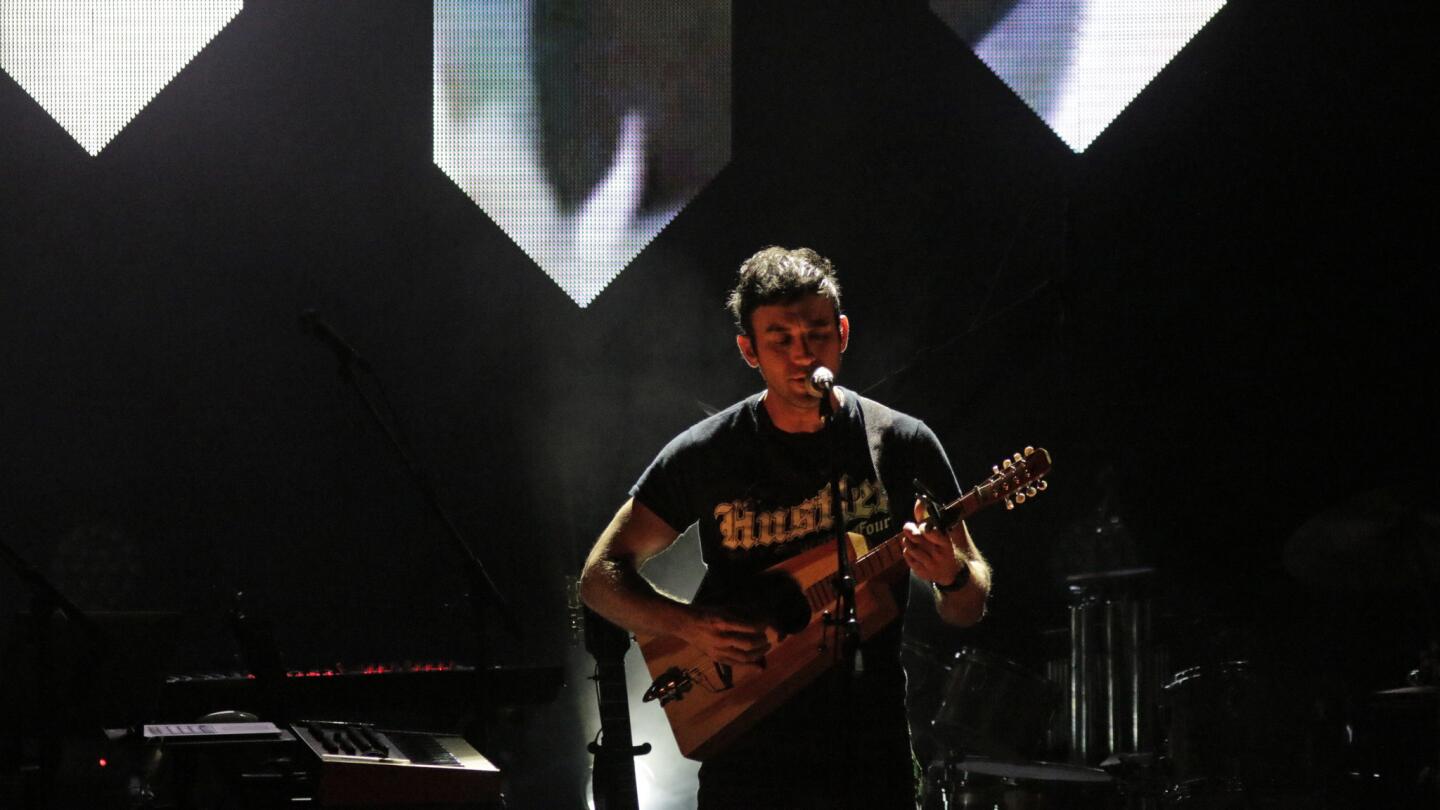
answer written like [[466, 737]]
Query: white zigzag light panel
[[1076, 63], [93, 65], [582, 127]]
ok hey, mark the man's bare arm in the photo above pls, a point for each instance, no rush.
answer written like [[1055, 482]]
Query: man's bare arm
[[612, 586], [965, 606], [941, 559]]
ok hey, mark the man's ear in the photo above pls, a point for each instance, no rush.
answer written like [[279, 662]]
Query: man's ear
[[747, 350], [844, 333]]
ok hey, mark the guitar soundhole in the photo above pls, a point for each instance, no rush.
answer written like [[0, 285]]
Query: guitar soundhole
[[780, 602]]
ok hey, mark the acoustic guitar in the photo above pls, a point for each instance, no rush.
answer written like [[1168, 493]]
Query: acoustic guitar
[[709, 704]]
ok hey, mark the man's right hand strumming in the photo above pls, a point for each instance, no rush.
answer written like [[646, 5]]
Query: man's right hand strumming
[[724, 638], [612, 586]]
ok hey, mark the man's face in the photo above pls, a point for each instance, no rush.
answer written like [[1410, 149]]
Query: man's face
[[788, 341]]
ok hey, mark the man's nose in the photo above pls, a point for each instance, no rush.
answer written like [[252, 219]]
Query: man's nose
[[803, 355]]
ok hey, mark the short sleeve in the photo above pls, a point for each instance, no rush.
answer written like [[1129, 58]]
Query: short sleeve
[[932, 466], [665, 486]]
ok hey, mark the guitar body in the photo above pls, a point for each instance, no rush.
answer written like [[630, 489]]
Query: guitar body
[[720, 703]]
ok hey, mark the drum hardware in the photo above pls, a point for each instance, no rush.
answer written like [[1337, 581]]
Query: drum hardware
[[1239, 735], [954, 789], [1112, 675], [994, 707], [1395, 744], [985, 782], [1387, 541], [1030, 771], [1139, 779], [1382, 540], [1418, 695], [989, 705], [926, 671], [993, 724]]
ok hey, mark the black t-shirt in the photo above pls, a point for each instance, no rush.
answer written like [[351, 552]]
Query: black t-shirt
[[761, 495]]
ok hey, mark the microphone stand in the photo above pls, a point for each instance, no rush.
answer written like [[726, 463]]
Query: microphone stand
[[45, 601], [482, 588], [844, 618]]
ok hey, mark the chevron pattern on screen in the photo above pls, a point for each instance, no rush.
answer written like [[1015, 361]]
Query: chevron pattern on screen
[[582, 127], [93, 65], [1076, 63]]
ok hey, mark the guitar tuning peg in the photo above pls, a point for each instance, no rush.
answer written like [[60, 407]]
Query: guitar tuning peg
[[1029, 451], [1008, 464], [1019, 498], [1042, 485], [1009, 504], [1018, 457], [995, 468], [1031, 491]]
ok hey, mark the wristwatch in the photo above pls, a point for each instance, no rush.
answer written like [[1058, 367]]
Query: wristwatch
[[962, 578]]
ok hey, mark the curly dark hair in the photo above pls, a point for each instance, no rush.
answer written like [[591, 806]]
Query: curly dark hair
[[777, 275]]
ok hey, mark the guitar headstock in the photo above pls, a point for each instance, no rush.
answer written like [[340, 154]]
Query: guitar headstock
[[603, 640], [1016, 479]]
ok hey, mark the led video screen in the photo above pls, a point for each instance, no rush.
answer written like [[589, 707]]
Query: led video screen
[[1076, 63], [93, 65], [582, 127]]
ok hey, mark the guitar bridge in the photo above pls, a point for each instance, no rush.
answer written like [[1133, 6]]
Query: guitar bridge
[[672, 684]]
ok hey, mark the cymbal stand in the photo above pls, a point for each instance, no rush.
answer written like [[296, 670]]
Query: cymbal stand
[[1428, 672]]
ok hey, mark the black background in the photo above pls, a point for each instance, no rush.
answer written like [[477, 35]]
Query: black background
[[1216, 319]]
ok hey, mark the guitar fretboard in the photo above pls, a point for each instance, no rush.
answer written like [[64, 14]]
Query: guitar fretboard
[[614, 699], [887, 555], [614, 777]]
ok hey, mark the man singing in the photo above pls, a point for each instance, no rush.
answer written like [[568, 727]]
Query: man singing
[[756, 477]]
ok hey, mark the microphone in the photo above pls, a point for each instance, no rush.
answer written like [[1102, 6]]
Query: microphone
[[821, 381], [312, 324]]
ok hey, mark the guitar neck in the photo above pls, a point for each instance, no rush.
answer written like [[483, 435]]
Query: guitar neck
[[614, 770], [886, 556], [614, 702]]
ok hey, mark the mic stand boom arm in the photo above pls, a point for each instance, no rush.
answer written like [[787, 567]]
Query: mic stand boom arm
[[482, 587]]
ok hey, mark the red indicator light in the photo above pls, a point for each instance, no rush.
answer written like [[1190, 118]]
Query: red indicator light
[[104, 762]]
